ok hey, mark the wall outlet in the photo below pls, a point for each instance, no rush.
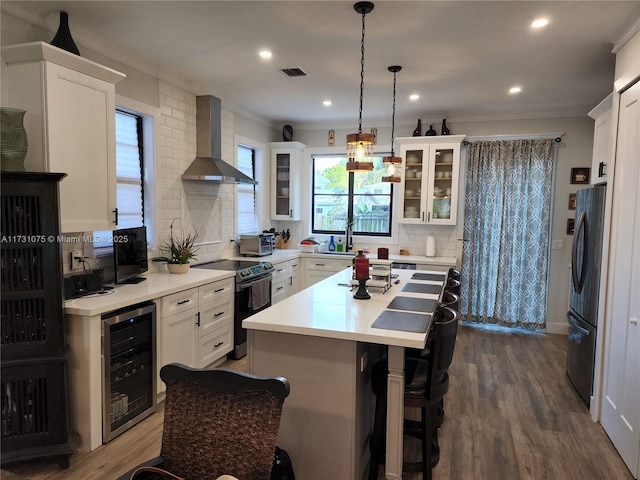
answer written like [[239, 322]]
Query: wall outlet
[[557, 245], [75, 258]]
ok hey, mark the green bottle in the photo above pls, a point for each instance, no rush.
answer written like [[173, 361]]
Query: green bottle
[[339, 246]]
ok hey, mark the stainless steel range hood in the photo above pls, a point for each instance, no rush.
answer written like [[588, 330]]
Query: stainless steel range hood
[[208, 166]]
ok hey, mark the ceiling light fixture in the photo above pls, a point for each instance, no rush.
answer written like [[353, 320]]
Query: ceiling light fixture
[[265, 54], [392, 160], [539, 23], [514, 90], [413, 97], [327, 103], [360, 145]]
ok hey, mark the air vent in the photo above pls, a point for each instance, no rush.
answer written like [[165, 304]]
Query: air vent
[[294, 72]]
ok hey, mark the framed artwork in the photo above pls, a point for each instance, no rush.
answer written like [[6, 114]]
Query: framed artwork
[[570, 226], [572, 201], [580, 176]]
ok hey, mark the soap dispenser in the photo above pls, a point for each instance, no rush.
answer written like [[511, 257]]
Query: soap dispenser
[[340, 245], [332, 244]]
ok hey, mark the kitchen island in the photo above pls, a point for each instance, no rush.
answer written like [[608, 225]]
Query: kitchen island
[[322, 340]]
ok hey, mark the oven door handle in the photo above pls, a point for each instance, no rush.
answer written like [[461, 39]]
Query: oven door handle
[[244, 286]]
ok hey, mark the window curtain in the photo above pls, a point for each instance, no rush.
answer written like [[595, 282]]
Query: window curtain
[[506, 231]]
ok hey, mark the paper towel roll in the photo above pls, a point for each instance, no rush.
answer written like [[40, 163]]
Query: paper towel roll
[[431, 246]]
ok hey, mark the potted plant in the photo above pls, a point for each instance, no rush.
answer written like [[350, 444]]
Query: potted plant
[[178, 252]]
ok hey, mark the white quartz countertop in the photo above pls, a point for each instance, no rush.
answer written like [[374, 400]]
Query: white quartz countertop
[[282, 255], [329, 310], [155, 286]]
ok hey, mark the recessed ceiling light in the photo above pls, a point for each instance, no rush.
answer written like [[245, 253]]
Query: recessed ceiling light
[[413, 97], [265, 54], [514, 90], [539, 23], [327, 103]]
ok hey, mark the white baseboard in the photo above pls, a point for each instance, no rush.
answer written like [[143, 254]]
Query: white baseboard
[[557, 328]]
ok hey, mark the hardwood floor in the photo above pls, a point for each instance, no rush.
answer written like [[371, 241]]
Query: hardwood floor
[[510, 415]]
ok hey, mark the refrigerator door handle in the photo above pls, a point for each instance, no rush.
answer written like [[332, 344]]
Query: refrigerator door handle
[[578, 281], [574, 324]]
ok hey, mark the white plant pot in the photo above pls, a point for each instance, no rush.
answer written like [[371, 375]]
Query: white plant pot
[[178, 267]]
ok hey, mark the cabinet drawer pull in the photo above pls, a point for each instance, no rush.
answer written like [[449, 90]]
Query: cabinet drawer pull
[[218, 314], [198, 319], [182, 302], [218, 344], [279, 288], [319, 264], [218, 290], [280, 270], [115, 216]]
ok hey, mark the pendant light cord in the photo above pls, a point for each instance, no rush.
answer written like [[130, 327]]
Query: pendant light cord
[[393, 114], [361, 75]]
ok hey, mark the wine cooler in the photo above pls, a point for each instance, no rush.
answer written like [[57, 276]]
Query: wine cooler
[[128, 367]]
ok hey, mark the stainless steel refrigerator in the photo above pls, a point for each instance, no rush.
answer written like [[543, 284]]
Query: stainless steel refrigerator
[[582, 317]]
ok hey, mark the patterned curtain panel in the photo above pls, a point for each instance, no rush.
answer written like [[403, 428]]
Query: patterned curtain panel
[[506, 224]]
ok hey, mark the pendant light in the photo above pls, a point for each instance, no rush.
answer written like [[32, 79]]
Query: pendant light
[[392, 161], [360, 145]]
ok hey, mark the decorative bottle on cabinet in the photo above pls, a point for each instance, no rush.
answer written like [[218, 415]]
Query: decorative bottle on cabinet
[[332, 244], [445, 129], [431, 132], [418, 131]]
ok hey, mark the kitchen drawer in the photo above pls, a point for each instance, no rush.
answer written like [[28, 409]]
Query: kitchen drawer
[[294, 265], [279, 290], [327, 264], [180, 301], [215, 345], [215, 314], [219, 289], [281, 271]]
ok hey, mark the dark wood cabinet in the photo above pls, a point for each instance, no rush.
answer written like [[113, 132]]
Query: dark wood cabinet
[[34, 386]]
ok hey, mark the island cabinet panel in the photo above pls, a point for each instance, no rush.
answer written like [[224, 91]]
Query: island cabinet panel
[[328, 416]]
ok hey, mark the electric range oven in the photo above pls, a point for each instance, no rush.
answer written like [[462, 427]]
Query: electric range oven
[[252, 294]]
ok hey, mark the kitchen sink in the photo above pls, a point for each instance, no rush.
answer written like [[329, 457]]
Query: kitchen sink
[[347, 254]]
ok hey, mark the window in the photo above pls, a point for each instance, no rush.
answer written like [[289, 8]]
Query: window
[[129, 170], [134, 159], [341, 197], [246, 201]]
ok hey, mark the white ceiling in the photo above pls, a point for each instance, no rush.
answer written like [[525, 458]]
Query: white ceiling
[[461, 57]]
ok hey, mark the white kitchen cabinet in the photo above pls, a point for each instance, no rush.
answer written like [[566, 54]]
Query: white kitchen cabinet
[[294, 277], [197, 325], [429, 179], [286, 162], [285, 280], [602, 140], [317, 269], [620, 414], [70, 124]]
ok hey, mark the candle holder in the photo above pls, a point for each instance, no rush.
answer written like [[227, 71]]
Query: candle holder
[[362, 293]]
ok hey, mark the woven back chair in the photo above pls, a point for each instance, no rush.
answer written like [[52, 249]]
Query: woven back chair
[[220, 422]]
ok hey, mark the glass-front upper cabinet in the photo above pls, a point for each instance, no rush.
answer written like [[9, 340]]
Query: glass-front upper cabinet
[[430, 179], [286, 159]]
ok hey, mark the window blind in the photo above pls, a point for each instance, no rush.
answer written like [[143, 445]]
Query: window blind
[[246, 202]]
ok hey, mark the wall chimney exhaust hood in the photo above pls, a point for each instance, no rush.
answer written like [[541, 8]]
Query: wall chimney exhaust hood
[[208, 166]]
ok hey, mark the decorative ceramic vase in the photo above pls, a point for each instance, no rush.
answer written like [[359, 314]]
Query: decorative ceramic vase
[[418, 131], [431, 132], [287, 133], [63, 38], [178, 267], [445, 129], [13, 139]]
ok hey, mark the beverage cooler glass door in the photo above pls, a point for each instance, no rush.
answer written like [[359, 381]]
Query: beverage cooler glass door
[[128, 368]]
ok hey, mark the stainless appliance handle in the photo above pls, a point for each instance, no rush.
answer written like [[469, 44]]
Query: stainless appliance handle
[[244, 286], [578, 281], [574, 324]]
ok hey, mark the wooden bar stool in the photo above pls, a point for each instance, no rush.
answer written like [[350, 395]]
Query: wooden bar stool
[[426, 382]]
